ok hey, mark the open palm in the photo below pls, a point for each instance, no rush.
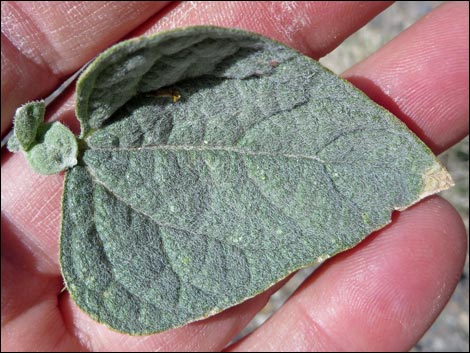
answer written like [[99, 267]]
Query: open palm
[[381, 295]]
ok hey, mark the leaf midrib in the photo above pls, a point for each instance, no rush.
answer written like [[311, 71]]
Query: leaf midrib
[[210, 148]]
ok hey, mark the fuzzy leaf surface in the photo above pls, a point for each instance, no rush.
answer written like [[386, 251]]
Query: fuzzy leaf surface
[[265, 162]]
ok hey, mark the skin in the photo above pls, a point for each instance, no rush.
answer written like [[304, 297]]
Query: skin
[[381, 295]]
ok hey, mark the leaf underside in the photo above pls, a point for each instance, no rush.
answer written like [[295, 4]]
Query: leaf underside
[[267, 163]]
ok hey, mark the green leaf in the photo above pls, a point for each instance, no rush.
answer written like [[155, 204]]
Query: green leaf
[[215, 162], [13, 145], [49, 148], [28, 118], [55, 150]]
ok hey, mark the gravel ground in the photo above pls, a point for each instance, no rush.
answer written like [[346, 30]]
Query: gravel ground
[[450, 332]]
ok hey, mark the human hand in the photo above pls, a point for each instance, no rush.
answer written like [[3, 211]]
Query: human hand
[[381, 295]]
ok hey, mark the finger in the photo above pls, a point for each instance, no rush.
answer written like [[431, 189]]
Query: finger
[[42, 42], [380, 296], [314, 28], [30, 319], [31, 206], [29, 291], [422, 76], [22, 287], [39, 329], [40, 228], [54, 41]]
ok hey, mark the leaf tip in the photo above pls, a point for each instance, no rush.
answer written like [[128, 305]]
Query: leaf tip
[[435, 179]]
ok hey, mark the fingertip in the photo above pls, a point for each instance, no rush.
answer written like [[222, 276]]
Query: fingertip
[[390, 289], [381, 295], [422, 76]]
